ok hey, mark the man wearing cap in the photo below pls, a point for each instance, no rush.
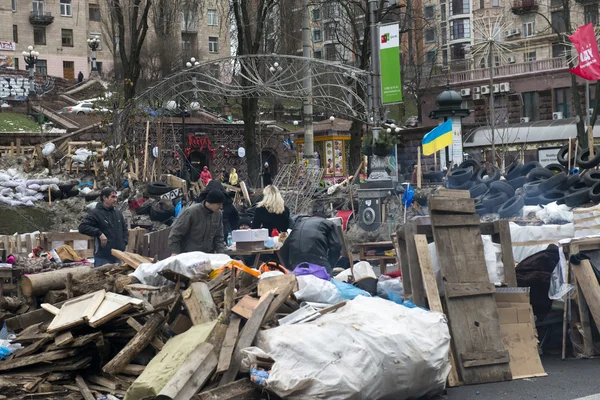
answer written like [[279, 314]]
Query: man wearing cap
[[199, 227]]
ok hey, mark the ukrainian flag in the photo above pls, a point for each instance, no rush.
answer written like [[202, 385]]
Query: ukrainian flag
[[439, 138]]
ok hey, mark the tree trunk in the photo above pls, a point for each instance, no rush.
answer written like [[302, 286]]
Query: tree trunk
[[581, 132], [250, 111], [355, 146], [39, 284]]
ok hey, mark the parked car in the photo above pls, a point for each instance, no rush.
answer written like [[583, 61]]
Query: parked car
[[412, 122], [83, 108]]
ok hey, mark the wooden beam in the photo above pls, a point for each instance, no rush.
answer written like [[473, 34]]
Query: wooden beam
[[64, 339], [468, 289], [156, 342], [588, 283], [199, 303], [229, 343], [83, 388]]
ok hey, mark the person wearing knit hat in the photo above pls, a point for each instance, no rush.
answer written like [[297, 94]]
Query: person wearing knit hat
[[245, 223], [199, 227]]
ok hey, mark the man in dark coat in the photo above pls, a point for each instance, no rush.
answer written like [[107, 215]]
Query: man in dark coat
[[314, 240], [80, 77], [106, 224], [230, 213]]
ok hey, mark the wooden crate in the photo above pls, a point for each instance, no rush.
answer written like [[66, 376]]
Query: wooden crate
[[51, 240], [156, 244], [379, 247]]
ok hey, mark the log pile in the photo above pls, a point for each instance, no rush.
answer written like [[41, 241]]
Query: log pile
[[100, 333]]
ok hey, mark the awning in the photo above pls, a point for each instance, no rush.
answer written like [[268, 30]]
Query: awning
[[523, 133]]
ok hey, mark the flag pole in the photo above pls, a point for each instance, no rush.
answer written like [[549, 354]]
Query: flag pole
[[419, 168]]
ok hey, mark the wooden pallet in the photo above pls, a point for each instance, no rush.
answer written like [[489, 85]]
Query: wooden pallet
[[156, 244], [16, 244]]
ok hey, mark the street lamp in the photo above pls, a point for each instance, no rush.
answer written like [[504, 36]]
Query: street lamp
[[93, 44], [30, 56], [193, 63]]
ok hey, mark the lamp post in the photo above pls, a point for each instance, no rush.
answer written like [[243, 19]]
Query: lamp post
[[30, 56], [190, 64], [93, 44]]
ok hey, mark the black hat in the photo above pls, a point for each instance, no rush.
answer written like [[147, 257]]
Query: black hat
[[245, 221], [215, 197]]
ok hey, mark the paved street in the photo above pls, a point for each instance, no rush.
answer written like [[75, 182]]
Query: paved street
[[567, 380]]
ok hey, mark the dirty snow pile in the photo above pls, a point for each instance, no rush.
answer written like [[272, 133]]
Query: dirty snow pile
[[17, 191]]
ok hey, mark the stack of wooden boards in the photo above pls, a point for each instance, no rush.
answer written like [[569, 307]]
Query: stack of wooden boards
[[97, 343], [486, 347]]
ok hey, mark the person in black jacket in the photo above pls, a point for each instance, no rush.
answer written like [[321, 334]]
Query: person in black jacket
[[230, 213], [314, 240], [106, 224]]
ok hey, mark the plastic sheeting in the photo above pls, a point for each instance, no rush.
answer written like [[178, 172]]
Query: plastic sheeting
[[586, 221], [369, 349], [528, 240], [311, 288]]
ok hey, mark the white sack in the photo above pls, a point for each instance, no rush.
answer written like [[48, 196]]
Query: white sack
[[555, 214], [195, 264], [528, 240], [23, 190], [311, 288], [4, 177], [48, 149], [34, 186], [369, 349]]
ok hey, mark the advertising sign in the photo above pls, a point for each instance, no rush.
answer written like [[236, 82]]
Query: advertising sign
[[547, 155], [389, 55]]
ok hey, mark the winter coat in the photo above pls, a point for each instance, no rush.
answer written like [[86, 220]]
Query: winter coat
[[197, 229], [231, 216], [107, 221], [314, 240], [270, 221], [233, 177], [206, 177]]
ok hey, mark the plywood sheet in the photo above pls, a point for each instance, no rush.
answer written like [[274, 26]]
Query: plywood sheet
[[75, 311], [112, 306]]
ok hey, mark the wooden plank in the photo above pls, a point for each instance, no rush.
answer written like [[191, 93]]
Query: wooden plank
[[404, 264], [455, 194], [84, 389], [229, 343], [283, 295], [247, 337], [416, 280], [133, 369], [484, 358], [279, 283], [37, 359], [588, 283], [191, 375], [112, 306], [131, 259], [64, 339], [32, 348], [468, 289], [102, 381], [461, 206], [199, 303], [503, 235], [245, 307], [135, 345], [72, 313], [433, 295], [239, 390], [455, 220], [50, 308], [156, 342], [80, 341]]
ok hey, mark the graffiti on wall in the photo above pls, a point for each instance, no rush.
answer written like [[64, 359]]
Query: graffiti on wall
[[17, 87]]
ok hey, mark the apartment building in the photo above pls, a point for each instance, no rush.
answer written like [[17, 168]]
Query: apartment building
[[531, 77]]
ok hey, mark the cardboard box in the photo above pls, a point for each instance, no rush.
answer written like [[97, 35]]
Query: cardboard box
[[250, 235], [250, 246]]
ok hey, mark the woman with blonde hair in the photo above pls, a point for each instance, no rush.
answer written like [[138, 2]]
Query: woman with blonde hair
[[271, 213]]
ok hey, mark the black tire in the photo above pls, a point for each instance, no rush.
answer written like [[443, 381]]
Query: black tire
[[483, 177], [73, 192], [502, 186], [556, 168], [158, 213], [514, 171], [66, 188], [585, 162], [465, 186], [474, 165], [595, 193], [571, 180], [563, 155], [458, 176], [530, 166], [517, 182], [532, 189], [537, 174], [552, 196], [494, 199], [158, 188], [578, 198], [511, 207], [91, 196], [478, 190], [591, 177], [145, 208], [433, 176], [481, 210], [553, 182], [579, 186], [531, 200]]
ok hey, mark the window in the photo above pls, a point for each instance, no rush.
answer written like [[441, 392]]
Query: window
[[558, 22], [429, 35], [94, 12], [38, 7], [459, 7], [67, 37], [331, 11], [318, 54], [460, 29], [562, 100], [212, 18], [330, 52], [317, 37], [495, 3], [530, 105], [558, 50], [591, 14], [429, 12], [16, 63], [431, 57], [65, 8], [457, 51], [39, 35], [528, 57], [14, 5], [330, 31], [41, 67], [445, 57], [443, 11], [188, 22], [482, 63], [529, 29], [556, 3], [15, 34], [213, 44], [444, 35], [497, 61], [316, 14], [481, 4]]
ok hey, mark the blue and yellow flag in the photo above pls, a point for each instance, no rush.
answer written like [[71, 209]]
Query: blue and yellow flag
[[439, 138]]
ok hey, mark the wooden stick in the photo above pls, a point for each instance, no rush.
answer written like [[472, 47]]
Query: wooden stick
[[69, 287], [419, 167], [591, 141], [49, 197], [12, 148], [435, 161], [146, 150], [576, 148], [19, 146], [570, 147]]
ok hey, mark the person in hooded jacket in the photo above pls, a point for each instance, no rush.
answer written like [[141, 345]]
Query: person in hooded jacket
[[108, 228], [230, 213], [233, 177], [313, 240], [205, 175]]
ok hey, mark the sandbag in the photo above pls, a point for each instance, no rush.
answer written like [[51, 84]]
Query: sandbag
[[48, 149], [375, 349], [311, 288], [195, 264]]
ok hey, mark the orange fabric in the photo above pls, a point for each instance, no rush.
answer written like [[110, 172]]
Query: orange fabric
[[231, 265]]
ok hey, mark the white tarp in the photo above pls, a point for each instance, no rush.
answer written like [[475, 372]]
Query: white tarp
[[528, 240], [369, 349], [586, 221]]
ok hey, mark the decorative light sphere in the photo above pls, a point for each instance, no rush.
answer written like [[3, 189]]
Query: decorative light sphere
[[193, 59], [29, 48], [171, 105], [35, 53], [388, 130], [196, 63], [397, 130], [272, 69], [276, 65], [25, 53], [188, 64], [332, 118], [194, 106], [279, 69], [295, 123]]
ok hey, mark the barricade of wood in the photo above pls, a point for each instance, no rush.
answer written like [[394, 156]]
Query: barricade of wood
[[19, 244]]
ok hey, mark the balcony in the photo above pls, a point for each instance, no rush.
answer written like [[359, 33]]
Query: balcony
[[41, 18], [520, 7], [504, 71]]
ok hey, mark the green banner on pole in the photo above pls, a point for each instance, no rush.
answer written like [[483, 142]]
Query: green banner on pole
[[389, 56]]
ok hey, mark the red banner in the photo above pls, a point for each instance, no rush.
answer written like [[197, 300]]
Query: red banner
[[584, 40]]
